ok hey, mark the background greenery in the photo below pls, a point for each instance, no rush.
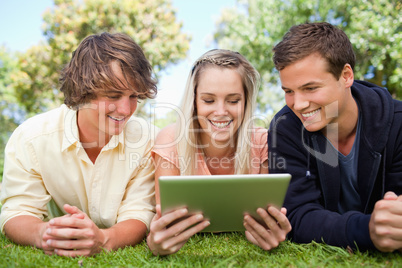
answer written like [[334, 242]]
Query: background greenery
[[29, 85], [29, 80], [206, 250]]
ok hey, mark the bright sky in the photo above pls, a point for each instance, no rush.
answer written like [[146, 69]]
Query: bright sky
[[21, 20]]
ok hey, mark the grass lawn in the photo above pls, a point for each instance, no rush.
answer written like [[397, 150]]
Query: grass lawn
[[206, 250]]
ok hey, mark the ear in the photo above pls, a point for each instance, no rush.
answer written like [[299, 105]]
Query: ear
[[347, 75]]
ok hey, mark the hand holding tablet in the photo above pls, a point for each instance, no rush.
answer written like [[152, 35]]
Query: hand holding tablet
[[223, 199]]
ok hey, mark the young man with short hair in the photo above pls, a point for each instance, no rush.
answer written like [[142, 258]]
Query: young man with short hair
[[341, 141], [87, 162]]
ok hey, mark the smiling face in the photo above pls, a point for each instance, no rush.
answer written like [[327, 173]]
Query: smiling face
[[106, 115], [220, 103], [315, 95]]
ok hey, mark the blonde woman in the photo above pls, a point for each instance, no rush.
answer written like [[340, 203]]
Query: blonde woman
[[214, 135]]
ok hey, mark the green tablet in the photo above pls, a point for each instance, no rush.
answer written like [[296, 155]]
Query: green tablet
[[223, 199]]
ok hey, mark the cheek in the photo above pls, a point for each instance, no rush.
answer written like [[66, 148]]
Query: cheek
[[202, 110], [288, 100], [237, 111]]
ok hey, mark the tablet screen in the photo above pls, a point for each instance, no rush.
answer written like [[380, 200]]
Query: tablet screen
[[223, 199]]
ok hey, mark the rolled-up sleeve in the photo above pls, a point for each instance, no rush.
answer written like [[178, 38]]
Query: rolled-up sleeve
[[139, 199]]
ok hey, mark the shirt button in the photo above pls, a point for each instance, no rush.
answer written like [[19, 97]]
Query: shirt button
[[93, 209]]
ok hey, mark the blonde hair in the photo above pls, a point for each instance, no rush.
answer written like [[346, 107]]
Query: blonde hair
[[188, 125]]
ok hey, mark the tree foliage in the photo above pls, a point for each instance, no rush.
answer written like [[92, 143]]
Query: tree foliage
[[152, 24], [8, 68], [374, 27]]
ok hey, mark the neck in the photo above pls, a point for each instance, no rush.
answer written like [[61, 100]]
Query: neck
[[342, 133], [91, 141]]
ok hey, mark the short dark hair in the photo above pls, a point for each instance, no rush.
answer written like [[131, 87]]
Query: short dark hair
[[323, 38], [90, 70]]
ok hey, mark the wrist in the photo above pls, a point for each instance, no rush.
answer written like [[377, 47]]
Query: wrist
[[106, 241]]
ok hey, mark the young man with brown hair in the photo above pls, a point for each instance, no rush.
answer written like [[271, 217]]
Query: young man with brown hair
[[87, 162], [341, 140]]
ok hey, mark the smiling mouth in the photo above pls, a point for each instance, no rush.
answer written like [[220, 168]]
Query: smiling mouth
[[116, 119], [221, 124], [310, 114]]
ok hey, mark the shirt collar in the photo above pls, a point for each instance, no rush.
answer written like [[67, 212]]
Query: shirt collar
[[116, 140], [71, 136]]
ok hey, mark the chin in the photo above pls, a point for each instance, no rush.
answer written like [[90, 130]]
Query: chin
[[313, 127]]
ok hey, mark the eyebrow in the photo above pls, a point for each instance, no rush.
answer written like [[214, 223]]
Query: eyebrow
[[304, 85], [229, 95]]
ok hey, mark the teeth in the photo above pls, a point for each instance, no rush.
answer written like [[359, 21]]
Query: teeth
[[220, 124], [121, 119], [310, 113]]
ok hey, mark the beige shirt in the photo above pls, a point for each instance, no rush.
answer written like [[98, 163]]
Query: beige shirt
[[45, 161]]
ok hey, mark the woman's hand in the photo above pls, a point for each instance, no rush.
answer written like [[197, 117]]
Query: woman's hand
[[277, 226], [166, 238]]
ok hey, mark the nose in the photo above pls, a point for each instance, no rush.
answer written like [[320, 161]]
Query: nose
[[221, 108], [300, 102]]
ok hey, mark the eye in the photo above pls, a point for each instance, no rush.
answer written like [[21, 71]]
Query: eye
[[234, 101], [311, 88], [133, 96], [113, 97], [208, 101]]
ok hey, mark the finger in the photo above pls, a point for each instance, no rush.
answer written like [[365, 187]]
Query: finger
[[251, 238], [280, 219], [390, 196], [70, 244], [269, 220], [284, 211], [70, 222], [49, 252], [176, 242], [71, 209], [167, 219], [72, 253], [189, 232], [262, 237], [72, 228], [177, 228]]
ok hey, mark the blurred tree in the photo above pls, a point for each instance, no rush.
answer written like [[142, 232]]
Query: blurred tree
[[8, 113], [374, 27], [152, 24]]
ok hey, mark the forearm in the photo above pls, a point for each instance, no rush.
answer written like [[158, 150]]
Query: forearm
[[125, 233], [25, 230]]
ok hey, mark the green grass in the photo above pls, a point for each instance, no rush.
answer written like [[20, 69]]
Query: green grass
[[206, 250]]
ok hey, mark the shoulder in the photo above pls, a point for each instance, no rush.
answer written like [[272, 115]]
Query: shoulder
[[166, 145], [44, 124], [138, 128], [260, 135], [398, 106], [166, 135]]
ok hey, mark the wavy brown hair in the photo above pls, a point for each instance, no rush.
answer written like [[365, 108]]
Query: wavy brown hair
[[90, 70]]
